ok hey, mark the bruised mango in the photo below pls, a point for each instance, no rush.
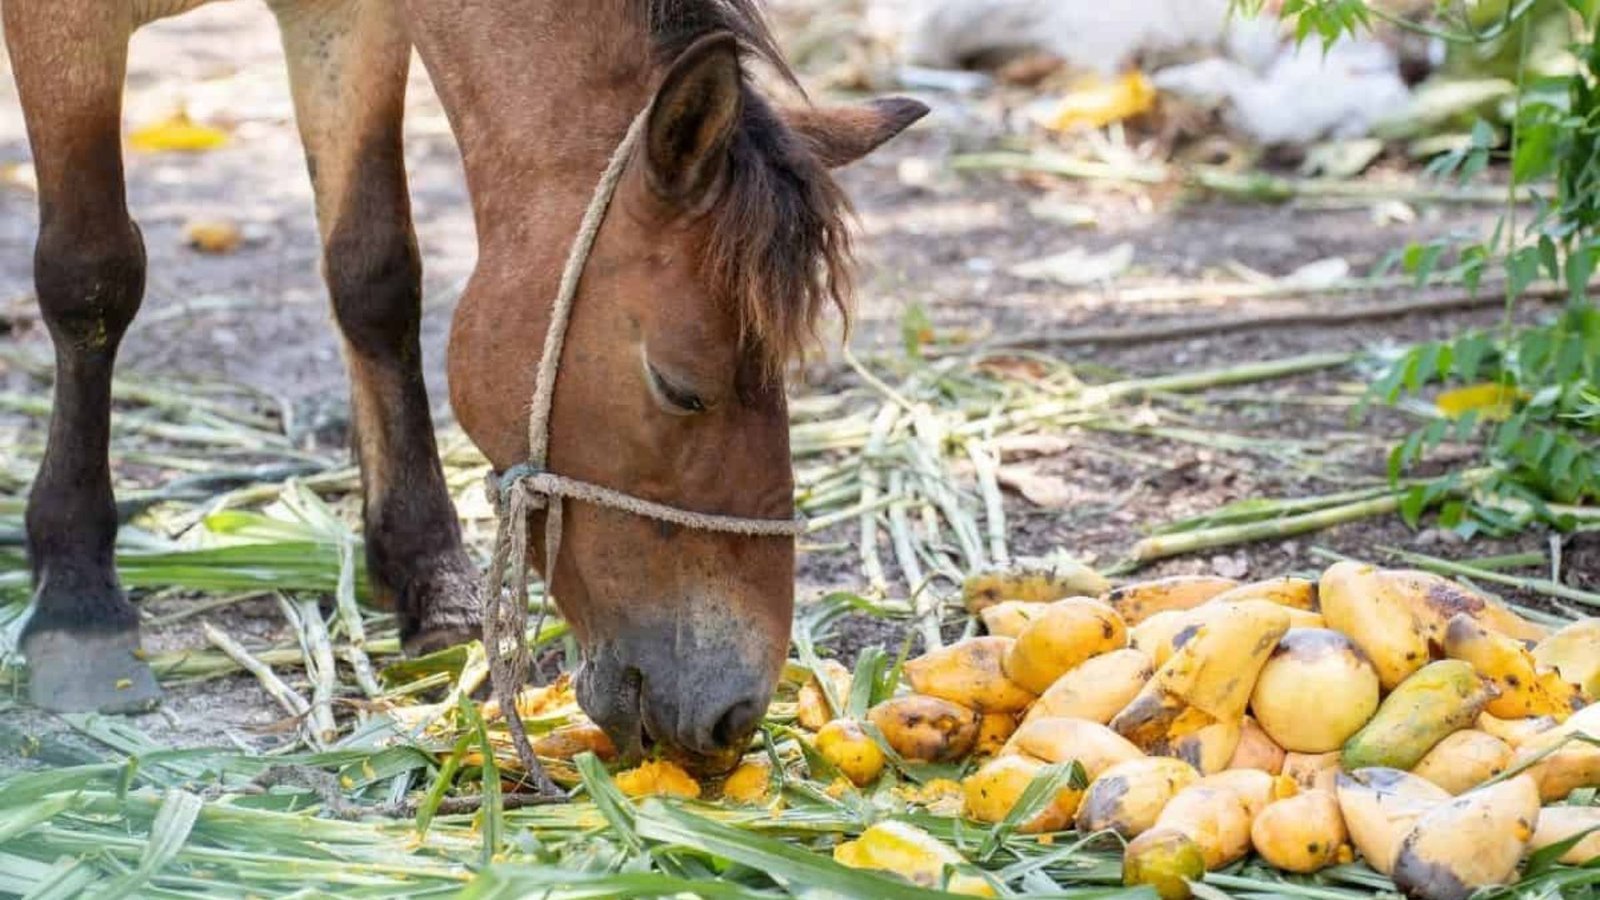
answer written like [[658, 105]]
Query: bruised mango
[[1380, 806], [990, 794], [1128, 797], [570, 740], [1033, 581], [1256, 788], [926, 729], [1317, 689], [1439, 700], [1522, 690], [1137, 602], [1164, 861], [1436, 600], [1095, 690], [1470, 842], [994, 729], [1464, 760], [969, 673], [1304, 833], [1066, 634]]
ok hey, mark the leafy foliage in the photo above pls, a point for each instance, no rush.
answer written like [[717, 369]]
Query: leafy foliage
[[1528, 396]]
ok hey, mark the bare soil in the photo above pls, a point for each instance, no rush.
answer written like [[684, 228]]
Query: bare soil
[[928, 239]]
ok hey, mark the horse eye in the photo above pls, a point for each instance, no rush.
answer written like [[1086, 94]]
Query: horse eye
[[682, 398]]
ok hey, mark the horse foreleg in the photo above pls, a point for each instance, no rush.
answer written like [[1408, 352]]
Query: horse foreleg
[[82, 639], [348, 61]]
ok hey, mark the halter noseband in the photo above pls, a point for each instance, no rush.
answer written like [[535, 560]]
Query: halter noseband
[[528, 487]]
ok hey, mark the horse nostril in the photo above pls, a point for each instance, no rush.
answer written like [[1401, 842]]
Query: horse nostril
[[736, 723]]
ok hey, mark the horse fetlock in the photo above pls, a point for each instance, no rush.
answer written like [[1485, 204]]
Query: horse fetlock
[[440, 606], [100, 671], [90, 281]]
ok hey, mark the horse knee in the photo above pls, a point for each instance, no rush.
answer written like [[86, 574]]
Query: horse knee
[[89, 276], [374, 275]]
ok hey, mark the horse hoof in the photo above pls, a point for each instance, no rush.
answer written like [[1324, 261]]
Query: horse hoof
[[89, 673], [451, 612]]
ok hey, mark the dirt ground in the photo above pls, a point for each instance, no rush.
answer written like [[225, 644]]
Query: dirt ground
[[928, 239]]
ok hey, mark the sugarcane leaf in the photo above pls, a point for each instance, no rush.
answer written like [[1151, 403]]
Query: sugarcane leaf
[[492, 811], [441, 783], [788, 864], [612, 805], [169, 830]]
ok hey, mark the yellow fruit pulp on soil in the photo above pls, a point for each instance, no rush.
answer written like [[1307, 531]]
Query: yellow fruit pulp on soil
[[748, 784], [911, 853], [659, 778], [178, 133], [1097, 103]]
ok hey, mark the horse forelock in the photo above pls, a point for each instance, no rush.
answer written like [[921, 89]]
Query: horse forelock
[[779, 247]]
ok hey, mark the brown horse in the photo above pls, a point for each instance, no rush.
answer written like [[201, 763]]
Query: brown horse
[[726, 239]]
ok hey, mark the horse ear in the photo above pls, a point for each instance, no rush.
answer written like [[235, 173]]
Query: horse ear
[[693, 118], [840, 135]]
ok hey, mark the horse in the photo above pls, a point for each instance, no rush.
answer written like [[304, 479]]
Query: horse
[[725, 241]]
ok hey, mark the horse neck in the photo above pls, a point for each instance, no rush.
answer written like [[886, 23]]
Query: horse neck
[[539, 95]]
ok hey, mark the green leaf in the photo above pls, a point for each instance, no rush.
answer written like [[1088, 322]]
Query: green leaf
[[797, 867], [492, 812], [612, 805], [169, 831]]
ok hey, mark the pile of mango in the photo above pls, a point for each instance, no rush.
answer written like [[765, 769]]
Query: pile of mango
[[1390, 715]]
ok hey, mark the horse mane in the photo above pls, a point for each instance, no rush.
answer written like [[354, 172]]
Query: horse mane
[[780, 243]]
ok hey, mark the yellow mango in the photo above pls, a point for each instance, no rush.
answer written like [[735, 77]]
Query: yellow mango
[[1034, 581], [812, 710], [1464, 760], [1559, 823], [845, 744], [1380, 806], [749, 783], [926, 729], [1066, 634], [1470, 842], [1574, 651], [991, 792], [994, 730], [1522, 689], [1164, 861], [1436, 600], [1295, 593], [1128, 797], [1256, 750], [1317, 689], [1137, 602], [1359, 602], [1304, 833], [1312, 771], [968, 673], [1008, 617], [1095, 690], [1090, 744]]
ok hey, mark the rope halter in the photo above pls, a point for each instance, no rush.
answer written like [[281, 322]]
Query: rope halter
[[529, 487]]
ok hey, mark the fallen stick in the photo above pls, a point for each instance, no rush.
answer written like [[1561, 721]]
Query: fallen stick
[[292, 703], [1214, 179], [1149, 334]]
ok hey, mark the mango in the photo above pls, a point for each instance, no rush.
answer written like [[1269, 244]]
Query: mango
[[1464, 760], [1470, 842], [968, 673], [1304, 833], [1316, 690], [1095, 690], [1439, 700], [926, 729], [1128, 797], [1137, 602], [1062, 637]]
